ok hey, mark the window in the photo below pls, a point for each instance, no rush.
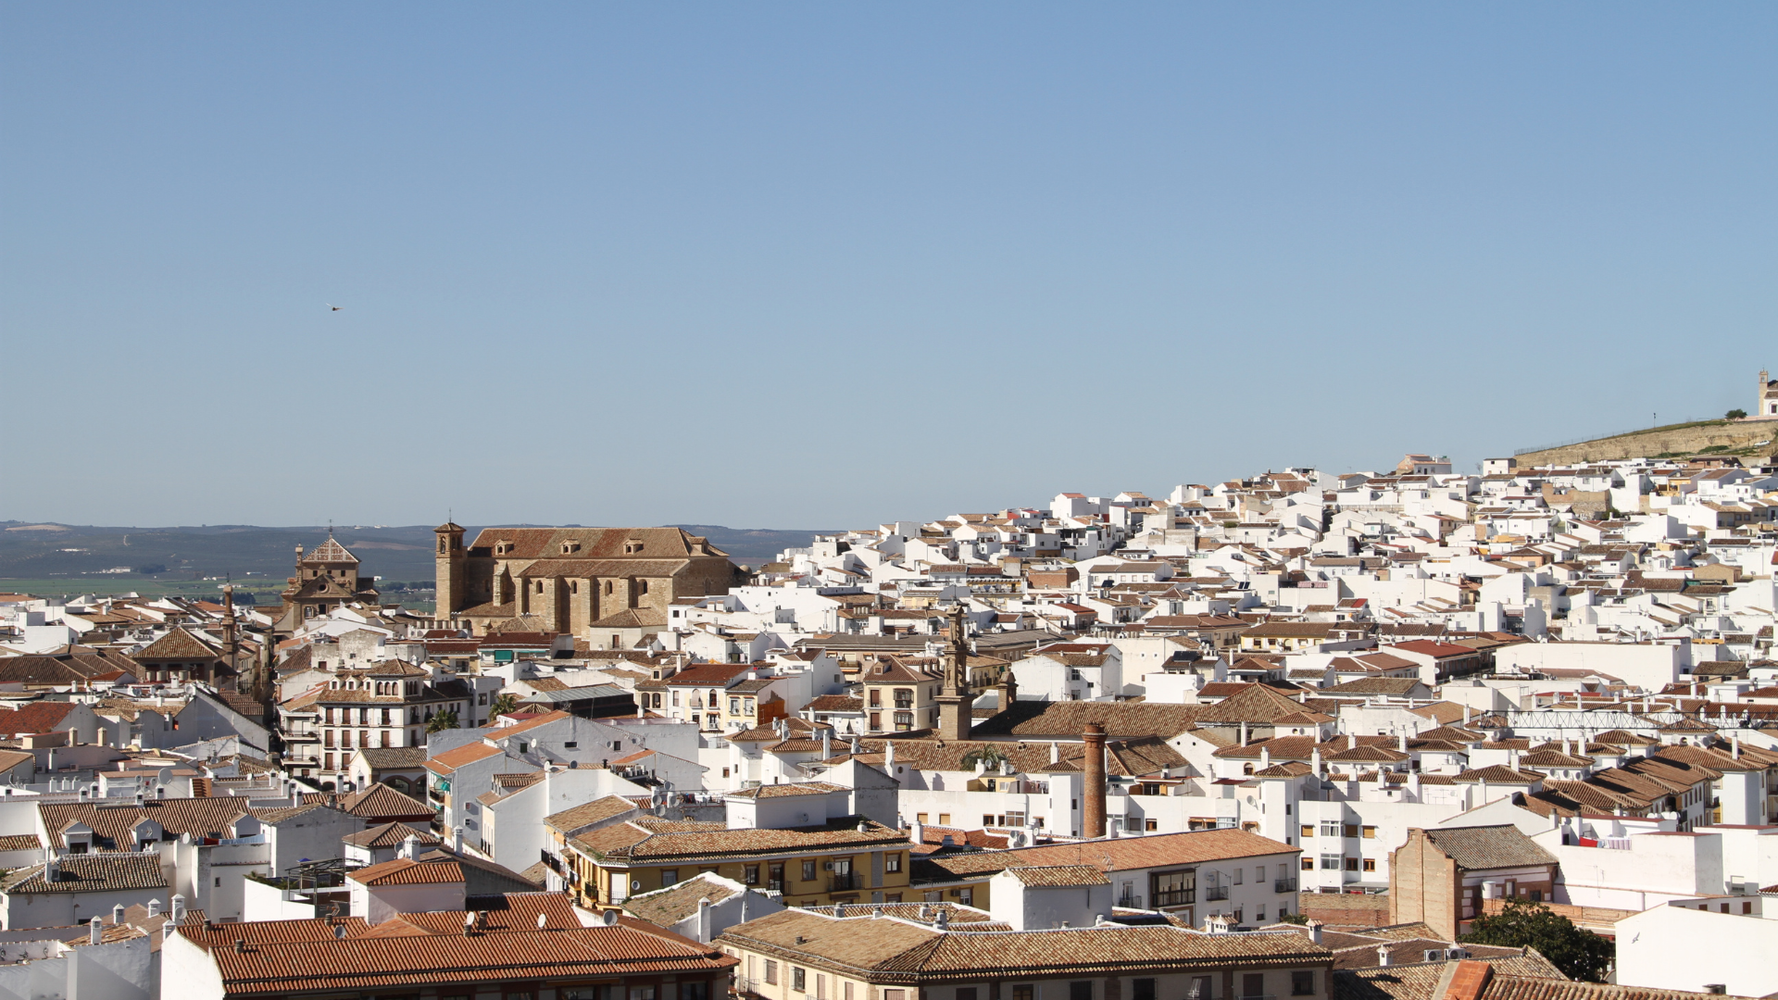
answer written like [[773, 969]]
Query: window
[[669, 876], [808, 871], [1308, 864], [1200, 988], [892, 862], [1151, 825], [846, 990], [1238, 876], [1173, 888], [1302, 983], [696, 990], [1308, 831], [1253, 984], [1080, 989], [1021, 993], [1259, 914], [1351, 864], [1351, 829], [752, 876], [1142, 989], [1370, 833], [1331, 862], [771, 973], [1259, 873], [798, 979], [1330, 828], [965, 993], [820, 986], [1370, 864]]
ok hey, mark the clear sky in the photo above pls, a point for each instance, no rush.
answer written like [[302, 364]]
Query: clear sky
[[819, 265]]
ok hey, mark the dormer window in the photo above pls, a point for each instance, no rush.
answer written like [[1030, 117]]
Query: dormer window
[[502, 548], [569, 548], [632, 547]]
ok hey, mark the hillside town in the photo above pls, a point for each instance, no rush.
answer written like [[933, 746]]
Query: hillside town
[[1294, 735]]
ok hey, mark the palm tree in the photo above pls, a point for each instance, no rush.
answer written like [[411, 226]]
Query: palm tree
[[989, 757], [504, 704], [442, 721]]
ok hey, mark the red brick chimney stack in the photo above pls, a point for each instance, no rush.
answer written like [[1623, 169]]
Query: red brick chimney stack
[[1093, 795]]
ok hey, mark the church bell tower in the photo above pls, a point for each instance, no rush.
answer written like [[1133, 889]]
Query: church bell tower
[[955, 702], [450, 580]]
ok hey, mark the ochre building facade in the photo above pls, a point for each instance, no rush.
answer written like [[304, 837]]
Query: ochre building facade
[[574, 580]]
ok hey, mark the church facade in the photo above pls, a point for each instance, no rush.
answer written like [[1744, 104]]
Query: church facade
[[574, 580], [325, 579]]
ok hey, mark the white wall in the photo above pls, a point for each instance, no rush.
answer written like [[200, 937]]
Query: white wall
[[1673, 948], [1646, 665]]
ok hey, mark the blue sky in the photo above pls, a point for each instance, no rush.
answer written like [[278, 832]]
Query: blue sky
[[821, 265]]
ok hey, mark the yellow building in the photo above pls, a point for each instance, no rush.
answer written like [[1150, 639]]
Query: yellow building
[[604, 860], [898, 697], [1036, 950]]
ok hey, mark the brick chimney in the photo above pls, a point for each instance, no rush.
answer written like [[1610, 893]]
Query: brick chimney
[[1093, 794]]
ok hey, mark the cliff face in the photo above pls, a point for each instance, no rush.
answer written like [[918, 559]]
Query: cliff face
[[1683, 439]]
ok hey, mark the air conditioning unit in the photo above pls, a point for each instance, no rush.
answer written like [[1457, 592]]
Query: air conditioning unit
[[827, 866], [1435, 954]]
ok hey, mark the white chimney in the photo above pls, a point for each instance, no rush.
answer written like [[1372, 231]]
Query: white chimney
[[178, 908], [1383, 955], [96, 931], [154, 907]]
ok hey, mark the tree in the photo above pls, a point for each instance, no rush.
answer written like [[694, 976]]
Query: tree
[[504, 704], [1735, 414], [1579, 953], [988, 756], [1293, 918], [442, 721]]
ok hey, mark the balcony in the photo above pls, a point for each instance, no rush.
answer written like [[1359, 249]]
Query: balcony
[[775, 885], [847, 882], [1175, 897], [1129, 902], [1285, 884], [1215, 893]]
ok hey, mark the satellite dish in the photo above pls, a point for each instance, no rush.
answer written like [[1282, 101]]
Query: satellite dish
[[610, 917]]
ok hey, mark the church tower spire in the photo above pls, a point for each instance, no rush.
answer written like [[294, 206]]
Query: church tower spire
[[955, 702]]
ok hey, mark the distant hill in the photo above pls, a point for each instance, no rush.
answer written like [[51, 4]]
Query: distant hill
[[1743, 438], [259, 557]]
